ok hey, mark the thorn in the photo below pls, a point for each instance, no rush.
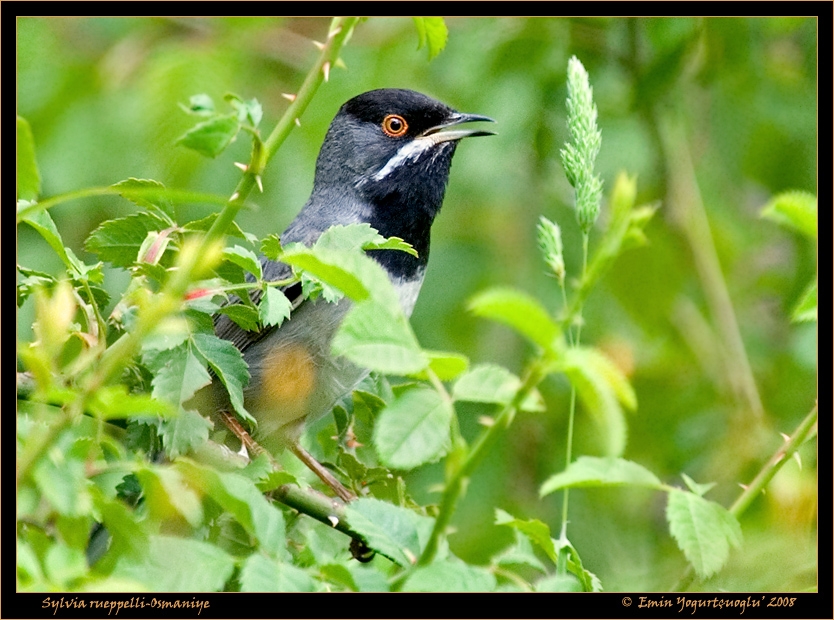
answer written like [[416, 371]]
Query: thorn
[[259, 182], [234, 197], [298, 122], [340, 63], [334, 32], [485, 420], [243, 167], [318, 44], [334, 521], [326, 70], [785, 437], [798, 460], [288, 96], [743, 486], [408, 554]]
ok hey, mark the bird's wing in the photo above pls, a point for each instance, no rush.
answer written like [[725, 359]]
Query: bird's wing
[[227, 329]]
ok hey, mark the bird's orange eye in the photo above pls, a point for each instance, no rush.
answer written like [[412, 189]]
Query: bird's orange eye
[[394, 125]]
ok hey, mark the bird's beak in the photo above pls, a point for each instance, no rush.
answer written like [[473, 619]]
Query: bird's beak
[[437, 135]]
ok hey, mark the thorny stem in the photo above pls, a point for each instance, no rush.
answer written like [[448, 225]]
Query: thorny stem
[[783, 454]]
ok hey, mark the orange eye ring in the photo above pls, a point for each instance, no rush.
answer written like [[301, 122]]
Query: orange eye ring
[[394, 125]]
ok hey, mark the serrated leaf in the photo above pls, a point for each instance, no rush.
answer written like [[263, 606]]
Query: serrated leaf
[[184, 432], [202, 225], [166, 493], [271, 247], [170, 566], [245, 259], [119, 241], [796, 210], [591, 471], [387, 529], [244, 316], [519, 311], [413, 429], [239, 496], [42, 222], [262, 574], [704, 531], [327, 267], [806, 309], [275, 308], [536, 531], [374, 337], [148, 194], [601, 387], [449, 576], [178, 373], [228, 364], [211, 137], [431, 32], [28, 177]]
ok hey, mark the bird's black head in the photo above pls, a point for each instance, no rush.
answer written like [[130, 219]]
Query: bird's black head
[[392, 149]]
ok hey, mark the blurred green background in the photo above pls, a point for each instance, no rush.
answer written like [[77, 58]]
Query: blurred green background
[[714, 116]]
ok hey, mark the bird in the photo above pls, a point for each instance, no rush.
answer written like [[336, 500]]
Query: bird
[[385, 161]]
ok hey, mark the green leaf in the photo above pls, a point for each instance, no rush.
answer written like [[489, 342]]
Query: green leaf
[[227, 362], [413, 429], [450, 576], [211, 137], [796, 210], [245, 259], [387, 529], [431, 32], [239, 496], [167, 493], [521, 553], [178, 373], [245, 316], [64, 564], [445, 365], [601, 387], [519, 311], [42, 222], [490, 383], [262, 574], [249, 112], [271, 247], [28, 177], [119, 241], [591, 471], [328, 267], [184, 432], [148, 194], [375, 337], [200, 105], [704, 531], [114, 401], [536, 531], [179, 565], [697, 489], [806, 309], [275, 308]]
